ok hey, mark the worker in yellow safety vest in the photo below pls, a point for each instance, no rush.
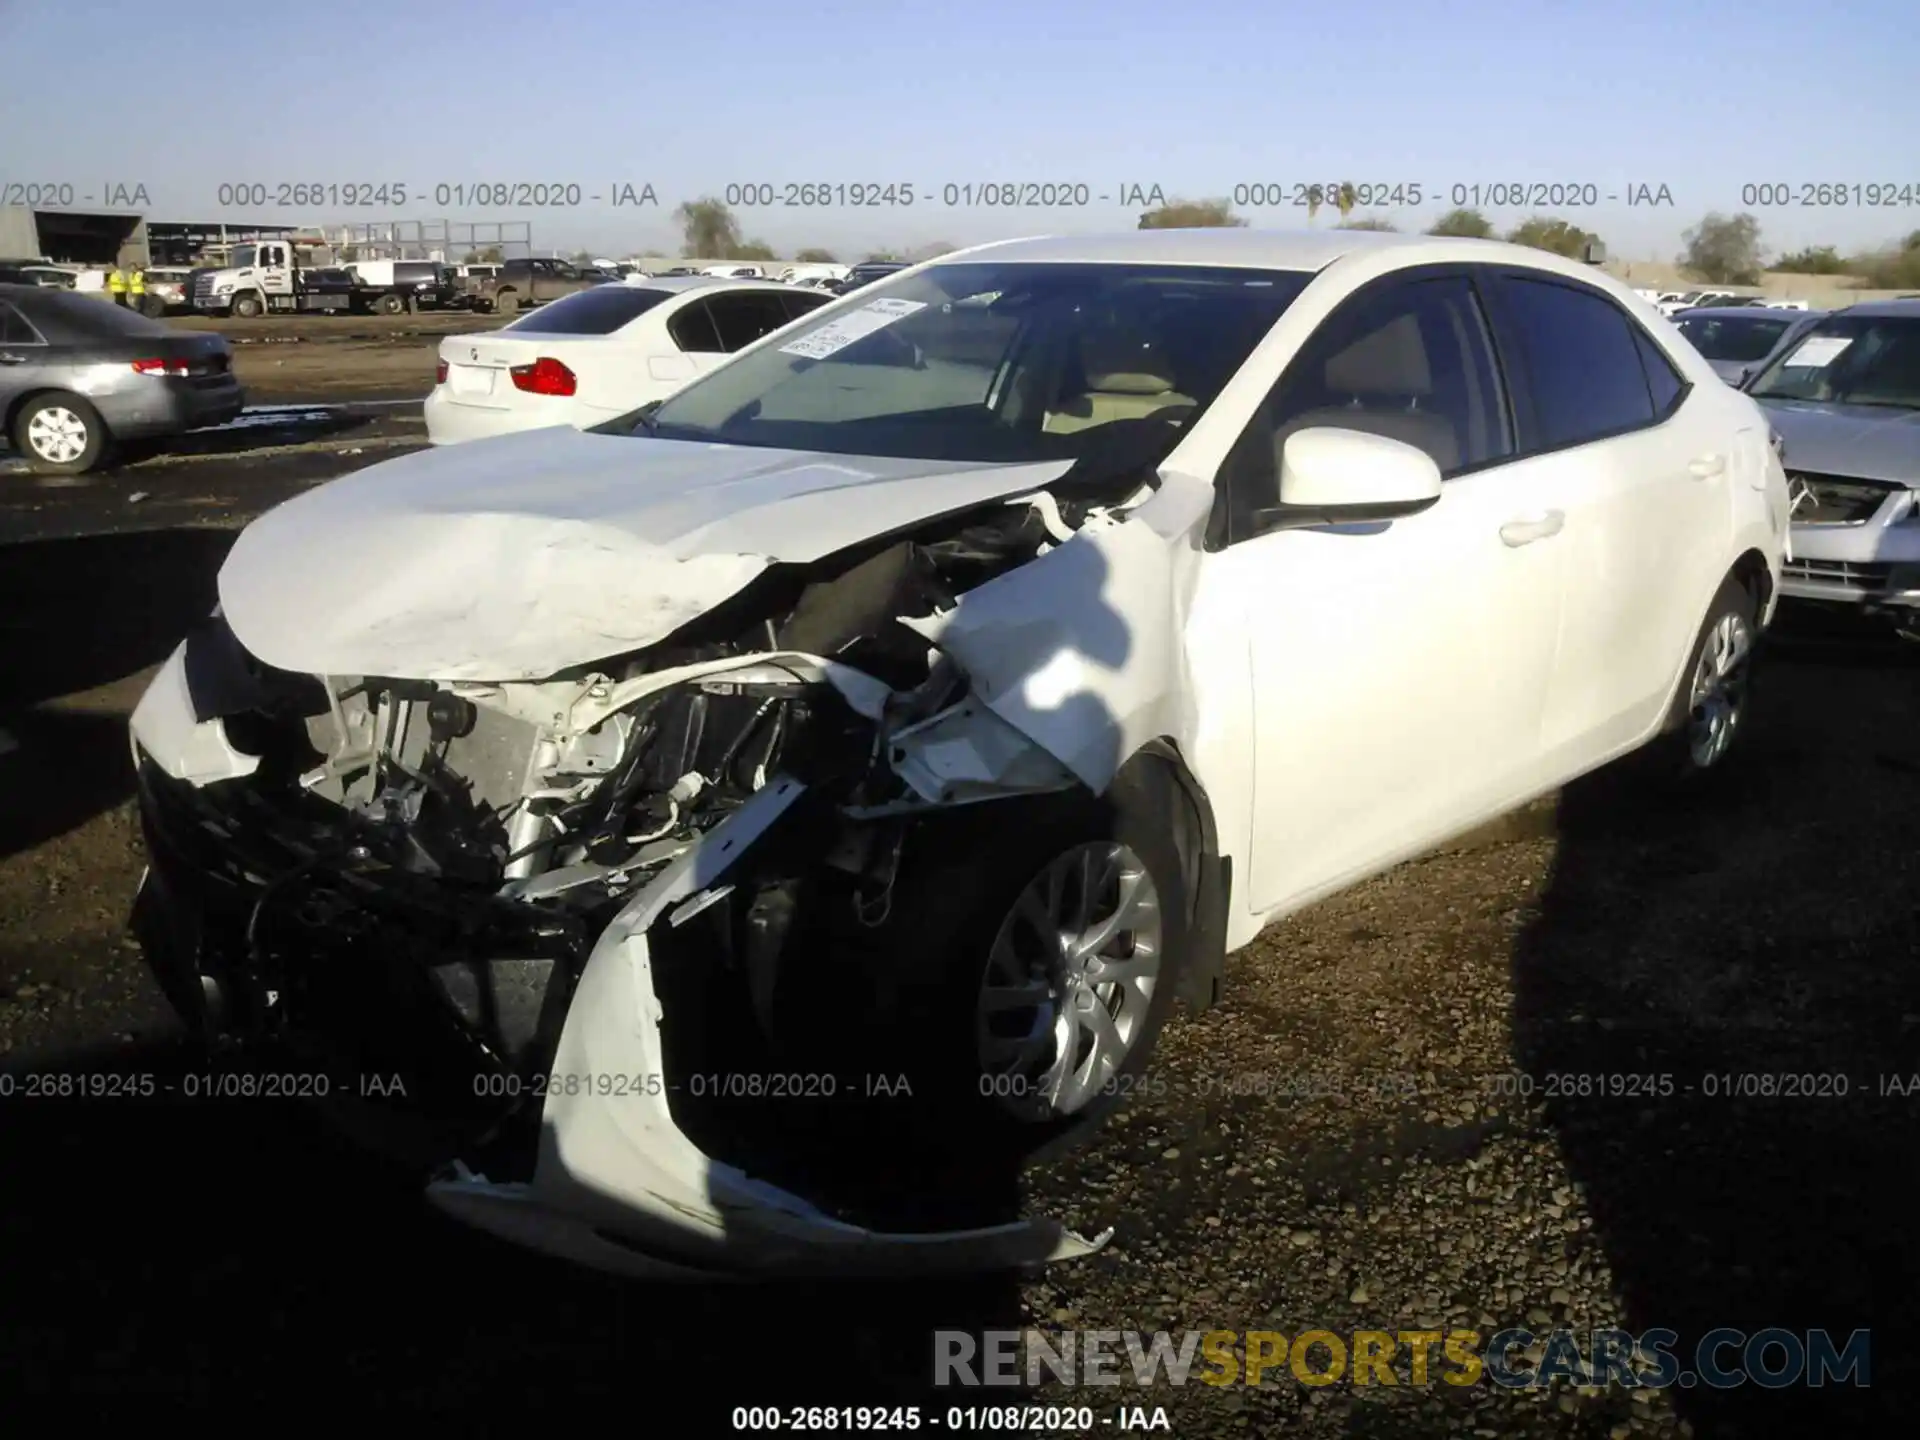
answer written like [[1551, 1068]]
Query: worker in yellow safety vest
[[117, 285], [137, 287]]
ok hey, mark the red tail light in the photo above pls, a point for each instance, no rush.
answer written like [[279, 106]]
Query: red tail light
[[160, 367], [440, 374], [546, 376]]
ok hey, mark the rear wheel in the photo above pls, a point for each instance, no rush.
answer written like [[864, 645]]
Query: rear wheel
[[1710, 711], [60, 435], [390, 305]]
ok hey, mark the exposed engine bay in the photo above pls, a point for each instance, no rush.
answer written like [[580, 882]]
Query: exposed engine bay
[[435, 869]]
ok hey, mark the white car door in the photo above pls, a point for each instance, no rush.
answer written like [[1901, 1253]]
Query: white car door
[[1639, 469], [1398, 668]]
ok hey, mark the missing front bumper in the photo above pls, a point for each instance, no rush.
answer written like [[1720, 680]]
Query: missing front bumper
[[615, 1183]]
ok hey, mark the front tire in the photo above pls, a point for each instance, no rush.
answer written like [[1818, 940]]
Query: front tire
[[1710, 711], [245, 307], [1038, 945], [505, 303], [60, 435]]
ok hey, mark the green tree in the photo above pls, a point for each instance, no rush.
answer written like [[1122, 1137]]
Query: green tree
[[1369, 222], [1723, 249], [751, 250], [492, 255], [1345, 197], [1316, 197], [1192, 215], [1813, 260], [1550, 232], [815, 256], [1464, 222], [932, 251], [1892, 267], [708, 229], [883, 257]]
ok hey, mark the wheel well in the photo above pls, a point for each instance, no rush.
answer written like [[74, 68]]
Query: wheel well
[[19, 403], [1209, 875], [1752, 572]]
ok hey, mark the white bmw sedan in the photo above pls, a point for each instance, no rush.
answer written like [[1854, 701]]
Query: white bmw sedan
[[934, 691], [598, 353]]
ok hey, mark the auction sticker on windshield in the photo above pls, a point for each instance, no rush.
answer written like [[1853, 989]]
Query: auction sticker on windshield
[[836, 335], [1818, 352]]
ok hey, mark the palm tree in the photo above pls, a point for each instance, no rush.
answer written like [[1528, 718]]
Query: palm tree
[[1315, 195], [1346, 198]]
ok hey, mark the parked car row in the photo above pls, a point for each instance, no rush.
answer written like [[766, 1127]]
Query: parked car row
[[939, 685]]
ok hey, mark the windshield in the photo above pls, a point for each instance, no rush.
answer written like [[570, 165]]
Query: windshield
[[995, 363], [1850, 359], [243, 256], [1739, 338]]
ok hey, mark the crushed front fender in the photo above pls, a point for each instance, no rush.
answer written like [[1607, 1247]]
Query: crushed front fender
[[619, 1186]]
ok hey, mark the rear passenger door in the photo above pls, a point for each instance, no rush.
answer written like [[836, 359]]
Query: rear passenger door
[[23, 356], [1617, 446]]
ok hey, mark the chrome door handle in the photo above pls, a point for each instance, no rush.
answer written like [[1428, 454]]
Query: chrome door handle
[[13, 359], [1535, 527], [1707, 466]]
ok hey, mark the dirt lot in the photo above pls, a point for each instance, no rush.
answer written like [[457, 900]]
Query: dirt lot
[[351, 356], [235, 1252]]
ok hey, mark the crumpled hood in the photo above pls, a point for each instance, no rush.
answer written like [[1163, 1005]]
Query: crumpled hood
[[1866, 442], [514, 558]]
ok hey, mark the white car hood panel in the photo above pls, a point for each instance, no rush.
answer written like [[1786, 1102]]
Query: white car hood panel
[[515, 558]]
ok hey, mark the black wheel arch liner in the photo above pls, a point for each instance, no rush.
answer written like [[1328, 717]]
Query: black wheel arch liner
[[1209, 876]]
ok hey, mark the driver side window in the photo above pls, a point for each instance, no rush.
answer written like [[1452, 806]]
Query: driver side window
[[1411, 361]]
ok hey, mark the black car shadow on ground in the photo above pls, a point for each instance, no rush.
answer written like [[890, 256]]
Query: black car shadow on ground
[[165, 1241], [1720, 1003], [76, 615]]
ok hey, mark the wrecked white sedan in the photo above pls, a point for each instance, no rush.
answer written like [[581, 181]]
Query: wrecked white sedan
[[934, 692]]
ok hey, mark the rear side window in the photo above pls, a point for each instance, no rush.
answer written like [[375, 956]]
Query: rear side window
[[84, 316], [1587, 379], [14, 329], [743, 319], [1664, 383], [800, 303], [693, 330], [599, 311]]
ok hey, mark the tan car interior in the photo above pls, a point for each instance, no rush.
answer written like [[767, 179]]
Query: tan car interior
[[1382, 385], [1126, 377]]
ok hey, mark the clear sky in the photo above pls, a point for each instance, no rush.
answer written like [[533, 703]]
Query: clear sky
[[1196, 97]]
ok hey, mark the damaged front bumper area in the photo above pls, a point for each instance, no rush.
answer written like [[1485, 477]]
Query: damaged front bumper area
[[522, 927]]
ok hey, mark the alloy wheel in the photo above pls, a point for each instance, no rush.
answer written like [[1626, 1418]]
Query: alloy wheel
[[1719, 697], [1069, 982]]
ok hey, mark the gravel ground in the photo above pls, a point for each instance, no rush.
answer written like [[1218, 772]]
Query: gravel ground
[[183, 1252]]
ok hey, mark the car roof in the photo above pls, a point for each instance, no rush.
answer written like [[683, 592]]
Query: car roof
[[675, 284], [1308, 250], [1718, 311], [1883, 309]]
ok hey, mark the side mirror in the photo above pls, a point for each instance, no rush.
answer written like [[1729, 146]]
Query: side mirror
[[1342, 477]]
